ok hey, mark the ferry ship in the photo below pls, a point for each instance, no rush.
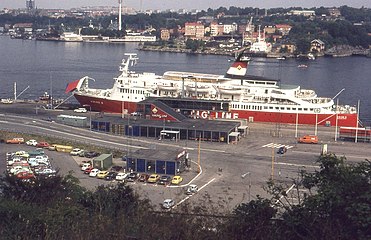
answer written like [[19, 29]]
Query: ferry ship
[[234, 95]]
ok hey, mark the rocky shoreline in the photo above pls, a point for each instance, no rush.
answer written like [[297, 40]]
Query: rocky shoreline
[[338, 51]]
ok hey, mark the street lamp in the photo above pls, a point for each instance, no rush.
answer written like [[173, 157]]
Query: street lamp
[[87, 105], [243, 176]]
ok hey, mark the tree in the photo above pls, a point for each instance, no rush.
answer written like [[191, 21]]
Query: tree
[[251, 220]]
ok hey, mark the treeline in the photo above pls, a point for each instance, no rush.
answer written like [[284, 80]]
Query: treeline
[[333, 203]]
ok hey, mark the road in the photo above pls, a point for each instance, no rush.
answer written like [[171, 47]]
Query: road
[[222, 164]]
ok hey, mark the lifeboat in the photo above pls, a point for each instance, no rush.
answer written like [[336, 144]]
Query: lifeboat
[[170, 88], [198, 89], [230, 90]]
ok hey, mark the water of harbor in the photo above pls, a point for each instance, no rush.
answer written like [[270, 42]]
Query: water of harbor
[[49, 66]]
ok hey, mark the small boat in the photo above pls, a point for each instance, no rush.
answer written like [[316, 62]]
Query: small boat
[[302, 66], [281, 58], [199, 89], [245, 59], [311, 56], [167, 87], [45, 97]]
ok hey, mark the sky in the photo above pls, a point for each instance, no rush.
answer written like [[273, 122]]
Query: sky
[[187, 4]]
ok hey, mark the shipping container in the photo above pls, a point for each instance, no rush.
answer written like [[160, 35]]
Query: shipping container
[[75, 121], [103, 161]]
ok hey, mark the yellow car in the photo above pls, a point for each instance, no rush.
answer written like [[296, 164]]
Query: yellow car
[[176, 180], [102, 174], [153, 178]]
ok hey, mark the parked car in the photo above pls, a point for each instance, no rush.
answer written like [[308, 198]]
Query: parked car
[[25, 175], [94, 172], [23, 154], [76, 151], [111, 176], [164, 180], [42, 145], [47, 172], [143, 177], [85, 166], [15, 141], [193, 188], [31, 142], [121, 176], [52, 147], [153, 178], [91, 154], [81, 153], [116, 168], [168, 203], [88, 170], [102, 174], [132, 177], [80, 110], [308, 139], [176, 180]]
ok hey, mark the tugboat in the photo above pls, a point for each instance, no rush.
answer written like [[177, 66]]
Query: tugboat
[[45, 97]]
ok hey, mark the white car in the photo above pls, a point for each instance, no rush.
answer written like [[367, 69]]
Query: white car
[[191, 189], [39, 158], [168, 203], [121, 176], [85, 166], [31, 142], [80, 110], [94, 172], [47, 171], [76, 151]]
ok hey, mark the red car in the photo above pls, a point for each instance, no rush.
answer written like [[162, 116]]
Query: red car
[[25, 175], [143, 177], [88, 170], [42, 145]]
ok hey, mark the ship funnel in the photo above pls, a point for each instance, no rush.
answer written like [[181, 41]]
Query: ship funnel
[[238, 68]]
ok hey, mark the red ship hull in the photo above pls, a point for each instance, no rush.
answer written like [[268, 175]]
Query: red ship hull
[[343, 120], [106, 105], [346, 120]]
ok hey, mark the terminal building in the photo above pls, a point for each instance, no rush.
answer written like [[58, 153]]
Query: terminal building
[[171, 162]]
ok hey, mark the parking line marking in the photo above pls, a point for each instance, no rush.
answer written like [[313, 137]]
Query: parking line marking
[[276, 145], [186, 198]]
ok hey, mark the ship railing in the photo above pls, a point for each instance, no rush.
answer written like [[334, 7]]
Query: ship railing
[[346, 109], [306, 94], [318, 100]]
